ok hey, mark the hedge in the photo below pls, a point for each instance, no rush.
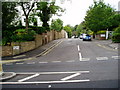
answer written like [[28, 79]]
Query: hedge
[[116, 35]]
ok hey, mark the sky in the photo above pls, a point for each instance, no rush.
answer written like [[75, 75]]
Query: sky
[[76, 10]]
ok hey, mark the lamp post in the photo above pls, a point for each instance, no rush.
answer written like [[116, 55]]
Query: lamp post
[[107, 34]]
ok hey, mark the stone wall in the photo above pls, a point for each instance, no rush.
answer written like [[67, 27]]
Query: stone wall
[[38, 40], [7, 51], [21, 47], [27, 46]]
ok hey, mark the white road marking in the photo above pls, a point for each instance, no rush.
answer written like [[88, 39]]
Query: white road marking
[[27, 78], [80, 56], [43, 62], [19, 63], [53, 72], [78, 48], [46, 82], [102, 58], [31, 63], [56, 61], [9, 64], [19, 56], [71, 61], [71, 76], [116, 57], [85, 59]]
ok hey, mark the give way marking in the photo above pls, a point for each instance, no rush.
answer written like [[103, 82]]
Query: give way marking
[[37, 74]]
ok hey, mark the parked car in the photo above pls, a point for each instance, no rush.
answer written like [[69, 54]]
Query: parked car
[[86, 37]]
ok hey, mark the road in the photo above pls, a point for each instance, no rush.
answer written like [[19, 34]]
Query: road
[[73, 63]]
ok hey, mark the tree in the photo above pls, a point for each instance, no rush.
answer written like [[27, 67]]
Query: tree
[[68, 29], [8, 16], [97, 16], [27, 7], [114, 21], [8, 13], [57, 25], [46, 10]]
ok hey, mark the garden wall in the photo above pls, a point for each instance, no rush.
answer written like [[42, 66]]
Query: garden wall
[[21, 47]]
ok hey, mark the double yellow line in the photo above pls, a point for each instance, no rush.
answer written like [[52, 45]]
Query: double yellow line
[[41, 54], [106, 47], [49, 49]]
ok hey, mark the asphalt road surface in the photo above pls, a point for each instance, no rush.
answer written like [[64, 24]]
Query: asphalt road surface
[[71, 64]]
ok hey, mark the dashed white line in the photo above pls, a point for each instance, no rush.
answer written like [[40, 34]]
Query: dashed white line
[[78, 48], [71, 76], [116, 57], [43, 62], [27, 78], [9, 64], [80, 57], [85, 59], [31, 63], [19, 63], [102, 58], [56, 61]]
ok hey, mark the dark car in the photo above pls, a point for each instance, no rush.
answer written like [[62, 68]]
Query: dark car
[[86, 37]]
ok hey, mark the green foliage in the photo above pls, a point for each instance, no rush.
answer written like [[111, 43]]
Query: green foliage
[[68, 29], [116, 35], [21, 35], [114, 21], [80, 29], [97, 16], [57, 25], [101, 32], [46, 12], [8, 13], [38, 30]]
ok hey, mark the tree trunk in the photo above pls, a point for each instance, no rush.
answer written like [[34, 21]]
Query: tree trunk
[[27, 24]]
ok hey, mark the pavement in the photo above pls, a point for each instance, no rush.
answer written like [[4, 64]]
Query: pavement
[[108, 43], [43, 49]]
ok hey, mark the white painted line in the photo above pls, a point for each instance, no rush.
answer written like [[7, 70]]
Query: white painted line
[[43, 62], [71, 76], [56, 61], [9, 64], [71, 61], [46, 82], [31, 63], [78, 48], [19, 63], [80, 57], [116, 57], [19, 56], [53, 72], [85, 59], [102, 58], [27, 78]]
